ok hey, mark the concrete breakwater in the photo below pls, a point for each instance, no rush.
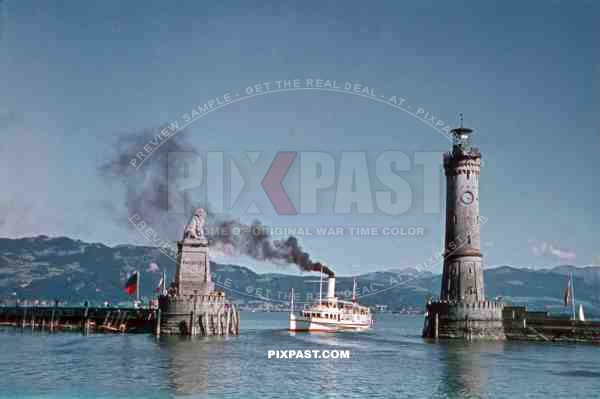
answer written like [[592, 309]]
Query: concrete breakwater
[[520, 324], [495, 321], [84, 319]]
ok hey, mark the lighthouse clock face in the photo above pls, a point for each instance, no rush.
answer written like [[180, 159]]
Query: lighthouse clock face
[[467, 198]]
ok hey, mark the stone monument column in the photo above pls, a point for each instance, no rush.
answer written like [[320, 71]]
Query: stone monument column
[[193, 264], [192, 306], [193, 268]]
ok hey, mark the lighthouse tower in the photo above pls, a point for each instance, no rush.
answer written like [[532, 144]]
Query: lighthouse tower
[[462, 278], [462, 310]]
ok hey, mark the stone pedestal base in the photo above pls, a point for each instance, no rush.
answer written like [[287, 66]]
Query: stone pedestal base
[[469, 321], [193, 268], [198, 315]]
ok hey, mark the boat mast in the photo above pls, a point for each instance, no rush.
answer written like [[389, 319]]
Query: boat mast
[[321, 286]]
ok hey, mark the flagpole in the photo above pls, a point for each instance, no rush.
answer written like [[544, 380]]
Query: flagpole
[[137, 289], [573, 295]]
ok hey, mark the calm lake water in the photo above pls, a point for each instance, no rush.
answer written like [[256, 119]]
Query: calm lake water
[[390, 362]]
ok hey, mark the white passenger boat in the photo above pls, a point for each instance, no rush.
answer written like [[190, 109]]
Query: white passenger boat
[[331, 314]]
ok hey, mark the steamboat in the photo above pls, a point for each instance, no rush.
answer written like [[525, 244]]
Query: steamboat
[[331, 314]]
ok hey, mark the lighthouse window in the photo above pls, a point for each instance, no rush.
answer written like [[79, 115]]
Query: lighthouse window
[[469, 239]]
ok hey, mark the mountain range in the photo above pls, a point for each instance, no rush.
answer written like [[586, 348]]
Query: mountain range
[[60, 267]]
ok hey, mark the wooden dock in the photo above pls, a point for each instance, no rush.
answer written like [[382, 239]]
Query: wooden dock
[[83, 319]]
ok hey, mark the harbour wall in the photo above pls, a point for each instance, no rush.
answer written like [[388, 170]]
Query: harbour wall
[[520, 324], [493, 320], [464, 320], [198, 315], [83, 319]]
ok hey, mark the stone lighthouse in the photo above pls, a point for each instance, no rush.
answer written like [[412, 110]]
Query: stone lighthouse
[[462, 310]]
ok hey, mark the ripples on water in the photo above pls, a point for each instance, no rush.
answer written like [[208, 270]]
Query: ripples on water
[[390, 362]]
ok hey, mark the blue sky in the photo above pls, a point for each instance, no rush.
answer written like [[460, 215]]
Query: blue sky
[[525, 74]]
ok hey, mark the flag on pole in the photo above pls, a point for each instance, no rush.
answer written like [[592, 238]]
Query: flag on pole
[[569, 293], [159, 287], [132, 284]]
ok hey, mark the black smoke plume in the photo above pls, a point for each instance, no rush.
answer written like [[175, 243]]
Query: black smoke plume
[[146, 188], [146, 194], [234, 238]]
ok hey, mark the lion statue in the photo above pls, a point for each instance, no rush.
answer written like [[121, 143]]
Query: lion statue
[[195, 229]]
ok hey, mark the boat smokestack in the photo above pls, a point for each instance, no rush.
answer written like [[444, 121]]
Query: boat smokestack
[[331, 287], [319, 267]]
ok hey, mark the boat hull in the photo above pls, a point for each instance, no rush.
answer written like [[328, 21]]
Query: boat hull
[[304, 324]]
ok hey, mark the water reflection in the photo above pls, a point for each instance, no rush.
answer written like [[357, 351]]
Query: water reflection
[[192, 363], [187, 364], [326, 370], [464, 371]]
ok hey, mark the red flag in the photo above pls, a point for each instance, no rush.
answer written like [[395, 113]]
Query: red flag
[[568, 294], [159, 287], [131, 284]]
